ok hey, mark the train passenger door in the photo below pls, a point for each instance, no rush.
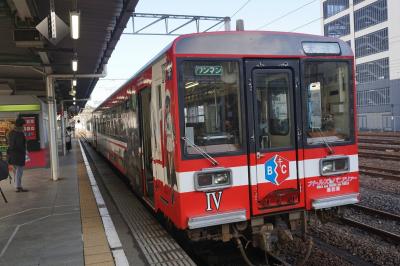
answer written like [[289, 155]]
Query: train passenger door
[[272, 102], [145, 136]]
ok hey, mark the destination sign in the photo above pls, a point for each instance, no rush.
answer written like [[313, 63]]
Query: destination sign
[[208, 70]]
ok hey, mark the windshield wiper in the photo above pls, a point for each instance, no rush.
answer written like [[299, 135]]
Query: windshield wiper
[[330, 150], [201, 151]]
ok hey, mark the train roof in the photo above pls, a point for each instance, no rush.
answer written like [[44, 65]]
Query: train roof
[[245, 43], [251, 43]]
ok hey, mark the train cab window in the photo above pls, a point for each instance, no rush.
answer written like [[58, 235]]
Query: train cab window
[[328, 101], [212, 111]]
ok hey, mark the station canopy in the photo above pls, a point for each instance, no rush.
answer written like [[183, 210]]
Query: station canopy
[[26, 56]]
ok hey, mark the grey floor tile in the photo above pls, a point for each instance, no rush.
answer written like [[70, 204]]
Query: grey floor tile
[[53, 240]]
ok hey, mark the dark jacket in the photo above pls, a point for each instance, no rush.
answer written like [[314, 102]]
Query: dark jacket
[[16, 148]]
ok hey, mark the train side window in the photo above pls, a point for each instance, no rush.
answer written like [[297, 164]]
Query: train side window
[[159, 96]]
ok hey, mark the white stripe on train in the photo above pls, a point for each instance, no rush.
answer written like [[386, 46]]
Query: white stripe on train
[[240, 174], [307, 169]]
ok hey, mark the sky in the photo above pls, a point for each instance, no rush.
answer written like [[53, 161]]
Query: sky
[[134, 51]]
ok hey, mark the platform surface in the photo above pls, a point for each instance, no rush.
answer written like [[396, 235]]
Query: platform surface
[[42, 226], [55, 222], [62, 223]]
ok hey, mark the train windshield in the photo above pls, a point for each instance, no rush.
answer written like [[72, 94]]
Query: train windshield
[[328, 101], [212, 113]]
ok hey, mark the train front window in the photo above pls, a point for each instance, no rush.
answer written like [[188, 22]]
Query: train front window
[[328, 101], [212, 112]]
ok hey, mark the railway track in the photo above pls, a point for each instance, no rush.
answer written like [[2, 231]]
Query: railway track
[[379, 147], [378, 134], [380, 140], [395, 238], [386, 173], [346, 255], [380, 232], [373, 211], [379, 155]]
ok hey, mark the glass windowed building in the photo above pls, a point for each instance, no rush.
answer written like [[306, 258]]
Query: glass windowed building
[[371, 28]]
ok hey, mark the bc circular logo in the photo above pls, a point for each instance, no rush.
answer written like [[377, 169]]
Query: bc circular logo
[[277, 170]]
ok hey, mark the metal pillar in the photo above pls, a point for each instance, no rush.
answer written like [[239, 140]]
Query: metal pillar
[[52, 127], [53, 117], [227, 23], [64, 150]]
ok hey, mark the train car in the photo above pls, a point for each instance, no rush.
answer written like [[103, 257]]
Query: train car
[[238, 133]]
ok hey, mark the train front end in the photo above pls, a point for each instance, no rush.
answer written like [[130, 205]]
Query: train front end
[[265, 133]]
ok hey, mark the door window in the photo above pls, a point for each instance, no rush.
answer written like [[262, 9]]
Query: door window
[[272, 100]]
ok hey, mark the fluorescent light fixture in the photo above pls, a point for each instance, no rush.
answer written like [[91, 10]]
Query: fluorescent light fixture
[[191, 84], [74, 82], [74, 17], [53, 24], [75, 64]]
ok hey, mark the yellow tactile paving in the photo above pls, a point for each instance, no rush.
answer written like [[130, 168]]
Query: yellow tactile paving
[[96, 249]]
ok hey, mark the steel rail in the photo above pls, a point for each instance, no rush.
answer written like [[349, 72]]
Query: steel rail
[[342, 253], [381, 169], [388, 134], [380, 140], [276, 259], [377, 155], [370, 210], [379, 147], [379, 172], [379, 232], [379, 175]]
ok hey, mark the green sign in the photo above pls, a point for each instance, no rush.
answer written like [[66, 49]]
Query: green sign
[[19, 107], [208, 70]]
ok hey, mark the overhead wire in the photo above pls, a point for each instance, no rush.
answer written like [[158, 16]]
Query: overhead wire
[[240, 8], [286, 14], [306, 24]]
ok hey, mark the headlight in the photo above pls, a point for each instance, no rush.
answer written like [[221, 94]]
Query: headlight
[[212, 178], [327, 166], [221, 178], [334, 165]]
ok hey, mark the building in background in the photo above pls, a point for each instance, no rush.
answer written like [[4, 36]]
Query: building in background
[[372, 28]]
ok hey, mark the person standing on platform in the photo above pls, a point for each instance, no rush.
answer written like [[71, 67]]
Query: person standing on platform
[[68, 136], [17, 152]]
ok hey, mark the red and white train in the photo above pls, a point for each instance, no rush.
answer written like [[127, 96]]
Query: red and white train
[[231, 133]]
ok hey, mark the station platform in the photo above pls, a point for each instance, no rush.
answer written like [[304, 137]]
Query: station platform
[[87, 217]]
